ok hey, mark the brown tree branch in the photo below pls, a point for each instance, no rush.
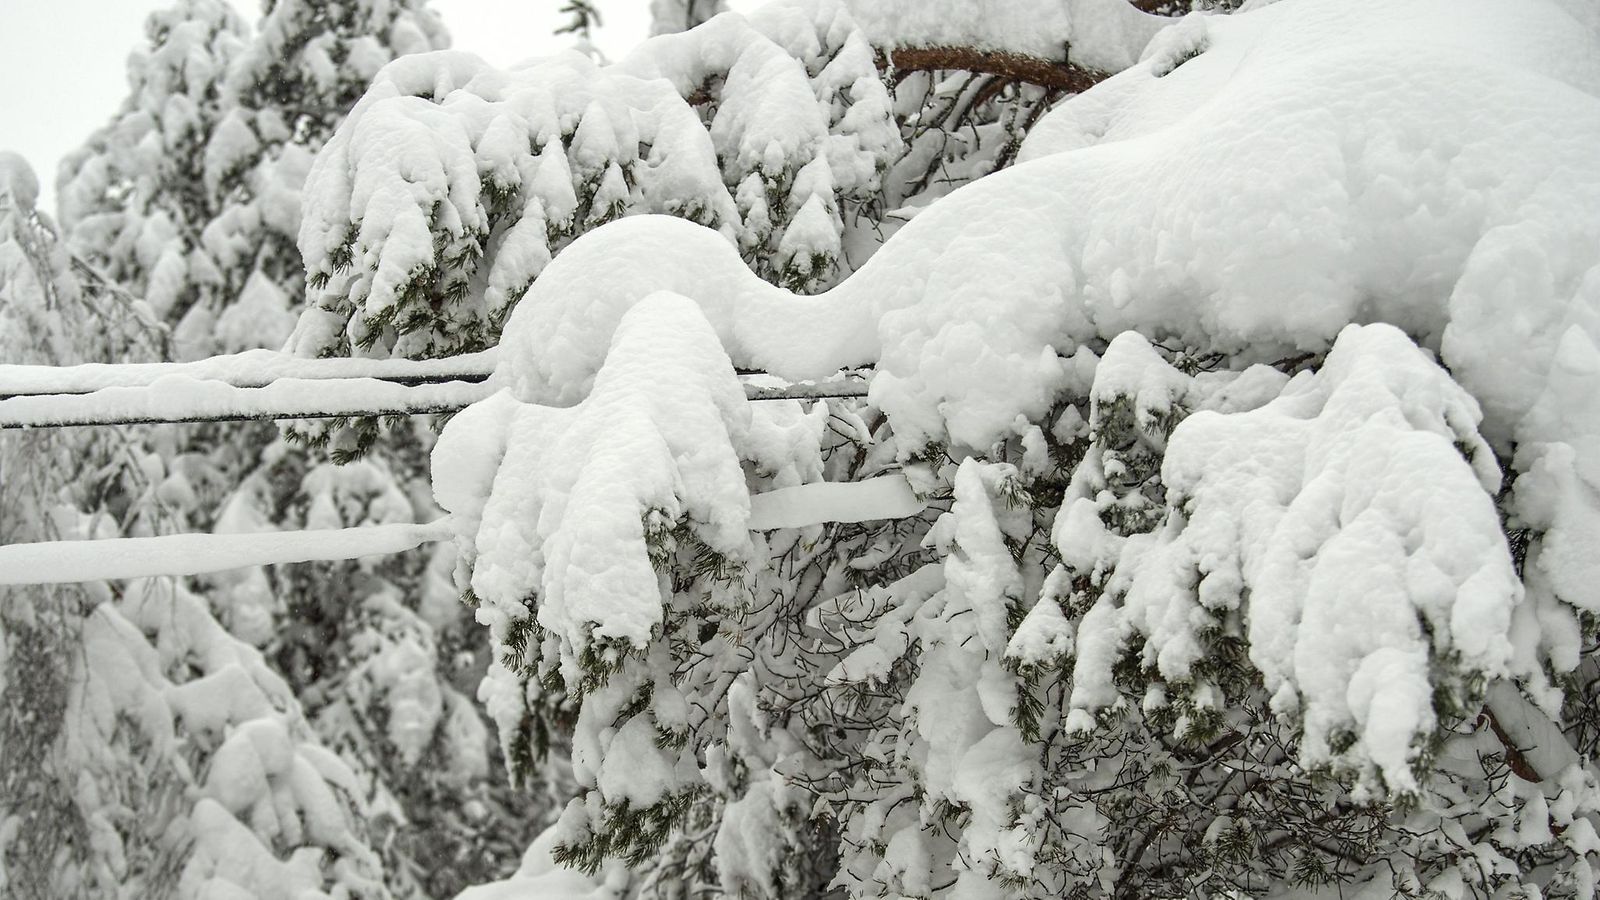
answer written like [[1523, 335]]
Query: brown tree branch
[[1058, 76], [1515, 760], [1159, 7]]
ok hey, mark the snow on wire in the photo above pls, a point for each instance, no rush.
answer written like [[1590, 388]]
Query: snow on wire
[[265, 384]]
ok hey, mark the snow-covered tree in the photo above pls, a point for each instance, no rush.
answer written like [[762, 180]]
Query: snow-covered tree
[[148, 752], [205, 227], [190, 196], [1251, 419]]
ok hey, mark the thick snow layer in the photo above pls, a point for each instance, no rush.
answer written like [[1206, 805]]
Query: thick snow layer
[[49, 562], [1428, 189], [1097, 34], [1352, 521], [559, 503], [885, 497]]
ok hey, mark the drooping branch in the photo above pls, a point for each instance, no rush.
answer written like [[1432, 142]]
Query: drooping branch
[[1053, 75]]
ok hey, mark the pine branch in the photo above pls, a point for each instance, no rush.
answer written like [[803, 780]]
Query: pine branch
[[1516, 761]]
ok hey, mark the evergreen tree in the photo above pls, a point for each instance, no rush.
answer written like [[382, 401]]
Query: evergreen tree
[[228, 198], [148, 752], [1220, 586], [1217, 523]]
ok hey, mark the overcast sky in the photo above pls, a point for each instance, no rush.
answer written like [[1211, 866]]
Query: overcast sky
[[63, 63]]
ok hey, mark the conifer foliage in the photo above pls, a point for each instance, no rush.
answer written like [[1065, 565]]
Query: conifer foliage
[[191, 198], [148, 751], [1218, 521], [1232, 577]]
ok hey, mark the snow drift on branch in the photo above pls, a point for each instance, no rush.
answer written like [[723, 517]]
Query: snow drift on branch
[[1189, 230]]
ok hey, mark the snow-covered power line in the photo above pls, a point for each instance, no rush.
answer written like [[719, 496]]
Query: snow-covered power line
[[243, 388], [178, 398], [250, 369], [52, 562], [56, 562]]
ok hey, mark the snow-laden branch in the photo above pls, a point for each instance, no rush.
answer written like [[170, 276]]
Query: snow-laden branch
[[177, 398], [884, 497]]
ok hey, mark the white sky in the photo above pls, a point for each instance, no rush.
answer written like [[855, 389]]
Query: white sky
[[63, 63]]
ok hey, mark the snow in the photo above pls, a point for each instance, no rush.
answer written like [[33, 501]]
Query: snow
[[179, 398], [209, 719], [248, 368], [1175, 223], [1351, 520], [572, 489], [1295, 177], [540, 877], [261, 317], [1259, 188], [440, 147], [48, 562], [885, 497], [1097, 34], [1402, 195], [17, 181]]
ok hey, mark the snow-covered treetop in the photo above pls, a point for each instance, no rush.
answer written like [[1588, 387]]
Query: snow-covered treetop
[[190, 195], [17, 181], [453, 183], [310, 61]]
